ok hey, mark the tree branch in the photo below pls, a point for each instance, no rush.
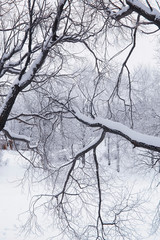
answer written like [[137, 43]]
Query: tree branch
[[26, 78], [137, 139], [151, 14]]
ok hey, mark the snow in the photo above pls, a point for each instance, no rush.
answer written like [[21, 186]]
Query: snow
[[9, 95], [156, 13], [15, 198], [139, 5], [136, 136], [146, 9], [12, 199], [120, 12], [16, 136], [120, 129], [61, 2], [28, 75]]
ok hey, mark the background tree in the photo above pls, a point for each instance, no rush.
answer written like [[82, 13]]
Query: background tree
[[63, 94]]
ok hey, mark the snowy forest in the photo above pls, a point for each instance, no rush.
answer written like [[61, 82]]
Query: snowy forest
[[82, 111]]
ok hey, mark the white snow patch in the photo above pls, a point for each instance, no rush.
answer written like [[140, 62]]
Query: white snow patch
[[14, 199]]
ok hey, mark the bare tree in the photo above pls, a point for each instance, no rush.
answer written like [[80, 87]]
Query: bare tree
[[60, 86]]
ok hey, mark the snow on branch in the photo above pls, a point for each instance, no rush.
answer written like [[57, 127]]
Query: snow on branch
[[136, 138], [125, 11], [15, 136], [62, 2], [26, 78], [18, 137], [149, 13], [29, 71]]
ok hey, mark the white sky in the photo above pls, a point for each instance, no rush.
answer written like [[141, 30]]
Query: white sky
[[144, 54], [145, 51]]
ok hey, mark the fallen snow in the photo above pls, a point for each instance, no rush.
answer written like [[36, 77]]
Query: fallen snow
[[14, 199]]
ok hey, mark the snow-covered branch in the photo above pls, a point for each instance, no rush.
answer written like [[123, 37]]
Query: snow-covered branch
[[29, 71], [125, 11], [136, 138], [14, 136], [18, 137], [149, 13]]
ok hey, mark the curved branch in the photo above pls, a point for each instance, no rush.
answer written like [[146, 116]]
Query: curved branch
[[149, 13], [95, 143], [124, 12], [137, 139], [14, 136]]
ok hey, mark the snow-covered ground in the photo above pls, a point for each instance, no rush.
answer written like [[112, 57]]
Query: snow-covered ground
[[15, 198]]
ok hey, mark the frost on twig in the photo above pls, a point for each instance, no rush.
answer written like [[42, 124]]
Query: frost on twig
[[17, 137]]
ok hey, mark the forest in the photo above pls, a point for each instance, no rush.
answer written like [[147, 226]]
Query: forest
[[77, 99]]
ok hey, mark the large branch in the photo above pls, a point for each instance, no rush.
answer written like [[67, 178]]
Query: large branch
[[91, 146], [134, 137], [125, 11], [149, 13], [26, 78], [14, 136]]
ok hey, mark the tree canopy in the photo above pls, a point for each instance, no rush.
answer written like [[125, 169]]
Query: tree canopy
[[63, 95]]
